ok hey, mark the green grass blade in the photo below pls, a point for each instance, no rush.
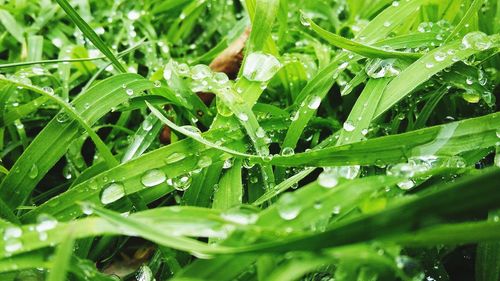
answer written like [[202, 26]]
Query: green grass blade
[[92, 105], [424, 68], [449, 139], [90, 34], [61, 262], [358, 48]]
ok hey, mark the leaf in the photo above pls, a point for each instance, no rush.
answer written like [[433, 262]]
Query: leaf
[[359, 48], [230, 190], [450, 139], [424, 68], [92, 105], [61, 261], [12, 26], [90, 33]]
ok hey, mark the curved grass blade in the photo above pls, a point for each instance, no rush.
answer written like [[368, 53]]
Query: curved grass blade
[[453, 200], [61, 262], [177, 159], [68, 110], [359, 48], [91, 105], [90, 34], [450, 139], [424, 68]]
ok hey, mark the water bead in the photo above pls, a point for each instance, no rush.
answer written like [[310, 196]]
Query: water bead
[[182, 183], [287, 151], [45, 222], [348, 126], [304, 20], [192, 130], [48, 90], [406, 184], [288, 206], [439, 56], [260, 133], [204, 162], [147, 125], [174, 157], [260, 67], [13, 245], [133, 15], [129, 92], [12, 232], [476, 40], [328, 179], [153, 177], [112, 193], [243, 116], [200, 71], [221, 78], [314, 102], [33, 172]]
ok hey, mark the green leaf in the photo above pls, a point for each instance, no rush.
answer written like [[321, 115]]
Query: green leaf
[[90, 34]]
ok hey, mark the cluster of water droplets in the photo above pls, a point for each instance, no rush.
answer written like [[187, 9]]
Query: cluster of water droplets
[[415, 169], [330, 176], [379, 68]]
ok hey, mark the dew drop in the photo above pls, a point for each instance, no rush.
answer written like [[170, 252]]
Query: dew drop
[[429, 65], [406, 184], [48, 90], [12, 232], [129, 92], [112, 192], [304, 20], [62, 117], [182, 182], [192, 130], [13, 245], [240, 215], [153, 177], [228, 163], [287, 151], [33, 172], [200, 71], [476, 40], [439, 56], [260, 67], [204, 162], [157, 83], [147, 125], [288, 206], [260, 133], [221, 78], [348, 126], [328, 179], [167, 73], [243, 116], [133, 15], [175, 157], [45, 222], [314, 102]]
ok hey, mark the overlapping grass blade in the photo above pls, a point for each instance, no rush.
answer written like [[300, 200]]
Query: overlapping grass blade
[[90, 34]]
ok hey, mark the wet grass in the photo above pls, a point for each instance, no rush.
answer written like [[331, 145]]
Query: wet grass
[[252, 140]]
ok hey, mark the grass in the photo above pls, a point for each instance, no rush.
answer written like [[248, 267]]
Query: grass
[[359, 140]]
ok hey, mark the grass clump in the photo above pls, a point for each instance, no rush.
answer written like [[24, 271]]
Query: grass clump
[[249, 140]]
